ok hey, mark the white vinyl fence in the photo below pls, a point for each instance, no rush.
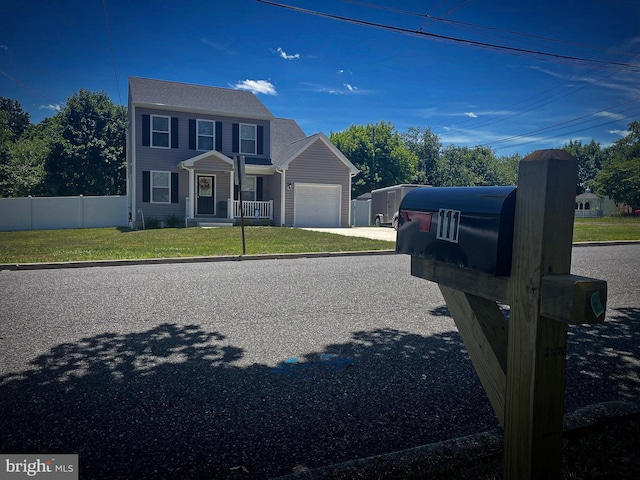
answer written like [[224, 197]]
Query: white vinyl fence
[[47, 213]]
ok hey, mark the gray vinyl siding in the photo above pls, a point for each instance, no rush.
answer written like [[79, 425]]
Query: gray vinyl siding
[[272, 185], [167, 159], [317, 164]]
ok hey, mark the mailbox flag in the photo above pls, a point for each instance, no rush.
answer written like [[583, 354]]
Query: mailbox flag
[[423, 218]]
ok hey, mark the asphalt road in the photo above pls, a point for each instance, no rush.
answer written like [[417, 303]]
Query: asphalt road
[[271, 366]]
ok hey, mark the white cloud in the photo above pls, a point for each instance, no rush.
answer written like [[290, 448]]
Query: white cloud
[[622, 133], [4, 47], [471, 115], [257, 86], [347, 90], [612, 115], [284, 55], [55, 108]]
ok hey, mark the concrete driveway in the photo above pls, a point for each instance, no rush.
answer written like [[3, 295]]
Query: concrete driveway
[[376, 233]]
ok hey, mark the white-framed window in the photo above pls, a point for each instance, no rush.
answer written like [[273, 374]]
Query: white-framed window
[[160, 187], [248, 136], [205, 134], [249, 189], [160, 131]]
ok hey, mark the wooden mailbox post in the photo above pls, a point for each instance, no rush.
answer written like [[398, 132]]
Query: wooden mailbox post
[[521, 362]]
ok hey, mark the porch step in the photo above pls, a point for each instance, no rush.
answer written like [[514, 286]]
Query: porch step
[[215, 224]]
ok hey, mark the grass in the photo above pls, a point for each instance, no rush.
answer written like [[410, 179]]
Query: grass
[[606, 229], [117, 244]]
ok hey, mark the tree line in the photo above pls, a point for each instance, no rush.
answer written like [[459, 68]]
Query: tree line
[[81, 151], [78, 151]]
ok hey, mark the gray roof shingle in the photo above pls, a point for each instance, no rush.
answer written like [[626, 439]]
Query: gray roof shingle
[[196, 98], [285, 134]]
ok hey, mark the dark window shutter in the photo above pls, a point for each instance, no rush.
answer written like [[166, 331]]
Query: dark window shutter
[[219, 136], [146, 186], [174, 132], [146, 130], [260, 140], [236, 194], [259, 188], [235, 138], [174, 188], [192, 134]]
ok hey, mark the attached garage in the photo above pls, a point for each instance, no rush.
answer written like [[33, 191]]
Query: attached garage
[[316, 205]]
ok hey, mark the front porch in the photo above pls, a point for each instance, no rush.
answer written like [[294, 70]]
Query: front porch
[[228, 212]]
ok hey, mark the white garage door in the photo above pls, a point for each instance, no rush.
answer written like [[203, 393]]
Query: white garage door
[[316, 205]]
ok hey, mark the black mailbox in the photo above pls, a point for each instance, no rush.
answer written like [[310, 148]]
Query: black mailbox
[[470, 227]]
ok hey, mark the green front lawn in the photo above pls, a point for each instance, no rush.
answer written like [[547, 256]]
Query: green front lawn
[[116, 244], [113, 243]]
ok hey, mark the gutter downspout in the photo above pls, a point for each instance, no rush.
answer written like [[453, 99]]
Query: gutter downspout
[[132, 166], [282, 194]]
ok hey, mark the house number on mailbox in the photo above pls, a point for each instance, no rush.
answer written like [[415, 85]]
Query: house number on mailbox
[[448, 225]]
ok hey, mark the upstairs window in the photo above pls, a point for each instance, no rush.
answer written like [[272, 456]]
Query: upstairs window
[[206, 134], [160, 133], [248, 138]]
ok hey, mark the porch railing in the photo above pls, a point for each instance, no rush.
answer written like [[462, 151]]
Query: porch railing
[[254, 209]]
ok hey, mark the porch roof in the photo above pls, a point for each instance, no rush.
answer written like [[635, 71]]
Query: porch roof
[[190, 163]]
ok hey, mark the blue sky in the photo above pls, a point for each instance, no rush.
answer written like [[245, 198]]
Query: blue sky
[[550, 71]]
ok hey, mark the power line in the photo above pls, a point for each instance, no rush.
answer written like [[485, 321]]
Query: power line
[[31, 89], [566, 133], [113, 58], [484, 27], [500, 48], [559, 125], [530, 104]]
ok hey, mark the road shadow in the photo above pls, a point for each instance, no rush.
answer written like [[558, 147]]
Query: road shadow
[[176, 402], [603, 360]]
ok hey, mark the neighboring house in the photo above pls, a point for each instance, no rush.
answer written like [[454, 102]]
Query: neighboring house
[[181, 143]]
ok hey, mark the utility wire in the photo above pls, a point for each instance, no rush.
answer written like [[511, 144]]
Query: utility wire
[[472, 25], [566, 133], [113, 58], [501, 48], [571, 121], [31, 89]]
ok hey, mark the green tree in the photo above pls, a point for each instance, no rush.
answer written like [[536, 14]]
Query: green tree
[[24, 173], [425, 145], [379, 153], [468, 166], [89, 158], [620, 175], [13, 120], [508, 169], [590, 158], [13, 123]]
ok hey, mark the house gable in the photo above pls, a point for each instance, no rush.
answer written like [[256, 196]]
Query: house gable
[[298, 148], [315, 163]]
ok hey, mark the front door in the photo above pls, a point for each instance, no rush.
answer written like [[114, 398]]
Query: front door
[[205, 205]]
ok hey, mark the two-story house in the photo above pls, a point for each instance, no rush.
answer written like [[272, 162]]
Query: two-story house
[[181, 144]]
